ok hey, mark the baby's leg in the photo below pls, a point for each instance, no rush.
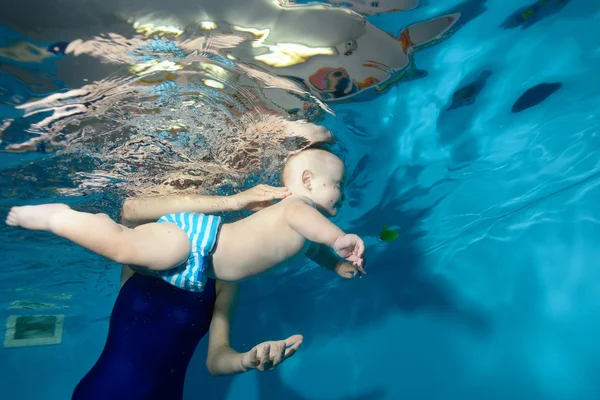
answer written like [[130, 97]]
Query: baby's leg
[[156, 246]]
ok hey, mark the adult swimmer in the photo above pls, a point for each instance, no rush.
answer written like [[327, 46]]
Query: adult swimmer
[[155, 327]]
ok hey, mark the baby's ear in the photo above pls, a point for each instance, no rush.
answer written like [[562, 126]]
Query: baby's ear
[[307, 179]]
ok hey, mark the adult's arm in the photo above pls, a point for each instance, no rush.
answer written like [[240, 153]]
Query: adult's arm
[[139, 210], [222, 359]]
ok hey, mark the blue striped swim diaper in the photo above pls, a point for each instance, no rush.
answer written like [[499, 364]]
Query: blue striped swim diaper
[[202, 230]]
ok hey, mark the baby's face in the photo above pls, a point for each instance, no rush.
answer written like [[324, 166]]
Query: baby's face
[[327, 187]]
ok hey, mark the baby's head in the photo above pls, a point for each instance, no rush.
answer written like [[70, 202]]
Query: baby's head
[[317, 174]]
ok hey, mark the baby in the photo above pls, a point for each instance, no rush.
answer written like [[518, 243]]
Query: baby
[[186, 248]]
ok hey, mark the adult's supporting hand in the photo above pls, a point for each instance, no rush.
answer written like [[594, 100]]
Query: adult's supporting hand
[[267, 356], [259, 197]]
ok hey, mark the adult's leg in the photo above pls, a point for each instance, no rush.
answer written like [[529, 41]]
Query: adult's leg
[[153, 333]]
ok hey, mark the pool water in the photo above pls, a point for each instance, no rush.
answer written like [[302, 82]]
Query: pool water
[[483, 157]]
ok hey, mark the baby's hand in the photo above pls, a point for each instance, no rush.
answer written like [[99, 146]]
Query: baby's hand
[[350, 248], [349, 271]]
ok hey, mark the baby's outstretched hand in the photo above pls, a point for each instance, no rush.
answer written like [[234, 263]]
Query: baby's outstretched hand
[[351, 248]]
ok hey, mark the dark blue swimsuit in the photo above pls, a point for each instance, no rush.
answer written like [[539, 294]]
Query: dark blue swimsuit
[[153, 333]]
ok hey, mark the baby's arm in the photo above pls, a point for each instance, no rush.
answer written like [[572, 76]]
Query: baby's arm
[[315, 227], [311, 224]]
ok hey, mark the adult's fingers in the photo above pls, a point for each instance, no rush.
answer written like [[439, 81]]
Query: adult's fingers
[[265, 359], [276, 189], [294, 339], [290, 351], [277, 352], [253, 359], [277, 193], [265, 192], [292, 344]]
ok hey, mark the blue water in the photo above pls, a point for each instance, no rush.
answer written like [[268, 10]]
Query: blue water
[[492, 289]]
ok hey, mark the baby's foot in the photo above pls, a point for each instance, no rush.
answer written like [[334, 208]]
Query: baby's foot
[[34, 217]]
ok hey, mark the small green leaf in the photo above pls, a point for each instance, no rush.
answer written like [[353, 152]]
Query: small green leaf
[[388, 235]]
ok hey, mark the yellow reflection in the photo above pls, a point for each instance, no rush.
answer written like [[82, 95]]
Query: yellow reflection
[[261, 34], [149, 29], [154, 66], [208, 25], [214, 70], [283, 54], [214, 84], [287, 54]]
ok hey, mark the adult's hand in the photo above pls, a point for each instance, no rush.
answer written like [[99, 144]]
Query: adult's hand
[[259, 197], [267, 356]]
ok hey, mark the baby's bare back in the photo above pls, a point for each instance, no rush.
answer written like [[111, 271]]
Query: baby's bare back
[[255, 244]]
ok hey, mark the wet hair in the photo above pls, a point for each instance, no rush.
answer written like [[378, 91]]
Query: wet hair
[[284, 174]]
